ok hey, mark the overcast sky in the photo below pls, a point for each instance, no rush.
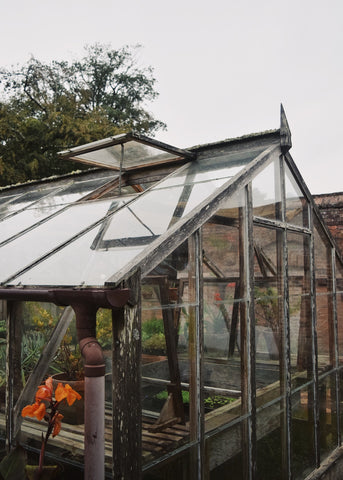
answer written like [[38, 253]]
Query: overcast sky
[[222, 67]]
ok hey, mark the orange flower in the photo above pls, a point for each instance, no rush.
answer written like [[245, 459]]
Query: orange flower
[[44, 392], [66, 392], [217, 297], [57, 424], [36, 410]]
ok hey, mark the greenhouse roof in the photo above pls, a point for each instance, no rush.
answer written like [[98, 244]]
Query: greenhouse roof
[[92, 229]]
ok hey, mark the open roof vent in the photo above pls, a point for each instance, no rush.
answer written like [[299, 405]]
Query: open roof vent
[[126, 151]]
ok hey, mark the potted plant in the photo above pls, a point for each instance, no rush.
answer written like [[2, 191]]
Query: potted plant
[[68, 366], [47, 407]]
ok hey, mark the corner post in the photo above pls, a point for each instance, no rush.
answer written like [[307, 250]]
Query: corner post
[[126, 389]]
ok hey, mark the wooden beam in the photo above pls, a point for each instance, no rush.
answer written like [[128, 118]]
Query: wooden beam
[[285, 132], [13, 367], [126, 389]]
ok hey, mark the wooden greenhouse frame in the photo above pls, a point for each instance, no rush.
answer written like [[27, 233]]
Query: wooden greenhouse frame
[[174, 274]]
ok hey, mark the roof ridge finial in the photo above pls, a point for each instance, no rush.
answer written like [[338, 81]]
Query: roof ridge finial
[[285, 132]]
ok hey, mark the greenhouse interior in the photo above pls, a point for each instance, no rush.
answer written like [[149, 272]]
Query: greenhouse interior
[[194, 296]]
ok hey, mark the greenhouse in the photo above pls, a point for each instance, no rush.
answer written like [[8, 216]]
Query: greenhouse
[[194, 296]]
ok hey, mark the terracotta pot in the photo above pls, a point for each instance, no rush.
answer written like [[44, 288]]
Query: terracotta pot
[[73, 414]]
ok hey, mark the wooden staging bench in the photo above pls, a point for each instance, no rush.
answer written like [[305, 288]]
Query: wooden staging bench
[[69, 443]]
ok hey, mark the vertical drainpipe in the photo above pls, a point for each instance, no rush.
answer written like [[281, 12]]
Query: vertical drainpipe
[[94, 370]]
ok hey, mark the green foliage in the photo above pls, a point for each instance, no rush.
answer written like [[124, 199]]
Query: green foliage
[[268, 300], [153, 338], [31, 347], [46, 108], [2, 362], [211, 402], [151, 327], [163, 395], [68, 359], [156, 343], [2, 328], [216, 401], [104, 327], [39, 324]]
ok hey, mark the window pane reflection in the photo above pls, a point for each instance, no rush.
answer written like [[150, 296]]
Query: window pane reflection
[[302, 433], [225, 453], [322, 257], [327, 416], [269, 332], [3, 328], [300, 312], [296, 203], [271, 447], [266, 192], [224, 314], [169, 345]]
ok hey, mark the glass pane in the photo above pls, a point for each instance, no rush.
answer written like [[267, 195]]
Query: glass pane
[[296, 204], [135, 153], [48, 205], [5, 198], [266, 192], [222, 241], [181, 466], [322, 258], [78, 264], [271, 452], [324, 307], [339, 308], [25, 249], [169, 352], [3, 315], [222, 355], [302, 433], [269, 332], [339, 312], [301, 339], [300, 308], [224, 314], [28, 197], [325, 333], [225, 451], [327, 416]]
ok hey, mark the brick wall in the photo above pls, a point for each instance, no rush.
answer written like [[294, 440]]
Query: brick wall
[[331, 208]]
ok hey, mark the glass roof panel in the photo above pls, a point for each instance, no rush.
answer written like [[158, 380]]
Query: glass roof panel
[[26, 249], [5, 197], [21, 201], [47, 205], [97, 254], [78, 264], [61, 192]]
